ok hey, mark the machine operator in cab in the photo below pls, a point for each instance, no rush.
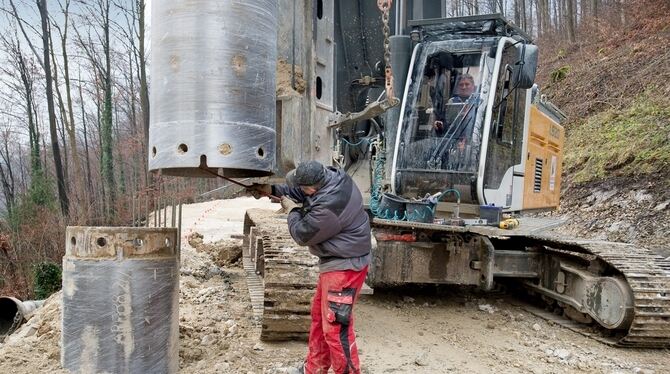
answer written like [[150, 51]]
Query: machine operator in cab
[[333, 223], [463, 89]]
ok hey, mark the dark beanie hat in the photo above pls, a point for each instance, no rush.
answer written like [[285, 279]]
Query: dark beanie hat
[[308, 173]]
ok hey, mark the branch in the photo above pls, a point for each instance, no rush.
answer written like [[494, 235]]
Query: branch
[[25, 35]]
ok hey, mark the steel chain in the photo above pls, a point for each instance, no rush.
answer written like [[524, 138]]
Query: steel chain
[[18, 318], [385, 6]]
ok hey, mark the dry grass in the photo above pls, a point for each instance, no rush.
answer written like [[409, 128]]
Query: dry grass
[[610, 63], [613, 84]]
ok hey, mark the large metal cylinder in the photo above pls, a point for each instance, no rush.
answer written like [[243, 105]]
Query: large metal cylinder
[[213, 68], [120, 300]]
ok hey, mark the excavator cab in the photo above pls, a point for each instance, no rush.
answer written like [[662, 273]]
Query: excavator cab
[[464, 117]]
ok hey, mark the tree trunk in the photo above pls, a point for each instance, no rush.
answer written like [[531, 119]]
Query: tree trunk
[[33, 132], [136, 159], [63, 115], [8, 185], [538, 9], [71, 123], [62, 194], [517, 13], [558, 20], [570, 23], [106, 126], [89, 188], [119, 158], [98, 123], [546, 18], [66, 170], [144, 88], [531, 25]]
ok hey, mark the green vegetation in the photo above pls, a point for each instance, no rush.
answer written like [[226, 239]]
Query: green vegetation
[[39, 194], [560, 73], [47, 279], [621, 142]]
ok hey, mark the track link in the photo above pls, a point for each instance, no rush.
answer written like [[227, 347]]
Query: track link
[[648, 276], [285, 272]]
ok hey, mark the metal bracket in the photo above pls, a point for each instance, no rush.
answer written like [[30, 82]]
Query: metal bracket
[[373, 110]]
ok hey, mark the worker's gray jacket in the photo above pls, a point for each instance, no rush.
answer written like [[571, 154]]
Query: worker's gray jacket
[[332, 222]]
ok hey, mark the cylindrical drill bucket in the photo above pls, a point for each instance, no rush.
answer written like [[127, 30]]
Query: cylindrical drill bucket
[[213, 72]]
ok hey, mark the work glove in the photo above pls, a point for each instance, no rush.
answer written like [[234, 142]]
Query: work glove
[[287, 204], [258, 190]]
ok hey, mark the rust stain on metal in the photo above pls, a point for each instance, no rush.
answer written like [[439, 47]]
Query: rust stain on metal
[[174, 62], [225, 149], [239, 63]]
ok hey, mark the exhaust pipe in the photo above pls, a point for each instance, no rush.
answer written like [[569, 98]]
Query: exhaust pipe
[[13, 312]]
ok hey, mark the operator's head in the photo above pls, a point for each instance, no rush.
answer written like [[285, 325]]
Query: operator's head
[[309, 176], [465, 86]]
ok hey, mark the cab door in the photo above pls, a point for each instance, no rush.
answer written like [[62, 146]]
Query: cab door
[[501, 172]]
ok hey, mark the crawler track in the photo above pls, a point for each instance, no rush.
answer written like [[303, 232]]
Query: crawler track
[[283, 272], [648, 276]]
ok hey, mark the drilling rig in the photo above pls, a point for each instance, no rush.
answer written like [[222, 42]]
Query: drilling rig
[[438, 120]]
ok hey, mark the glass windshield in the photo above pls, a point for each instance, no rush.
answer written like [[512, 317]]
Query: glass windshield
[[440, 134]]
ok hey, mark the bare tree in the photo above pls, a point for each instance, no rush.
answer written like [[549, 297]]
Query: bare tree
[[24, 88], [100, 14], [569, 20], [6, 170], [134, 31], [68, 115], [594, 9], [89, 184], [144, 86], [62, 193]]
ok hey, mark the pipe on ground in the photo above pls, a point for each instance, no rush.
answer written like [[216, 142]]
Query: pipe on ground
[[13, 312]]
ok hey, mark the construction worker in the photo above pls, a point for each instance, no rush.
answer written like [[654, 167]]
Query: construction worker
[[334, 225]]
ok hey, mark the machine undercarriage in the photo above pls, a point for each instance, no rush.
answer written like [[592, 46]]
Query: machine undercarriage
[[622, 289]]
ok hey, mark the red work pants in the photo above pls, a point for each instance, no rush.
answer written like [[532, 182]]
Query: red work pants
[[332, 342]]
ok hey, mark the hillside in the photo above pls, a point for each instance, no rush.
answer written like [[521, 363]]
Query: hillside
[[614, 85]]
